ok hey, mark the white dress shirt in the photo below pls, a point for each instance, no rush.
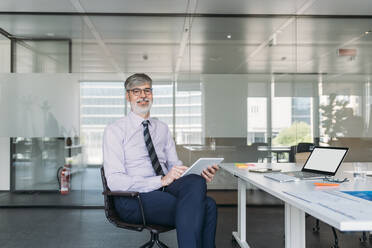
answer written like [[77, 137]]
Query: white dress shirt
[[125, 156]]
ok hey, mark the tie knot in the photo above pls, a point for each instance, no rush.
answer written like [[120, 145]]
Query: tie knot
[[145, 123]]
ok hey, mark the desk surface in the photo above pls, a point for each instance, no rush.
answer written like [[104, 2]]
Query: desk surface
[[345, 212]]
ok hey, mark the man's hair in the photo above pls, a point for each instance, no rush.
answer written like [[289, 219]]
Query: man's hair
[[137, 79]]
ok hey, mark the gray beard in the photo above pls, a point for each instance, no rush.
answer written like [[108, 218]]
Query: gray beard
[[140, 110]]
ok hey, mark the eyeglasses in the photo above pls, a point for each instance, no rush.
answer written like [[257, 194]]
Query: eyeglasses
[[335, 180], [138, 92]]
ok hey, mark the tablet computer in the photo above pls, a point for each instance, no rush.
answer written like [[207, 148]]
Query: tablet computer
[[201, 164]]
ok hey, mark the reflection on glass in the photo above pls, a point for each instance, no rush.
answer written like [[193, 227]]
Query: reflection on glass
[[42, 56], [291, 121], [162, 107], [189, 113], [257, 120], [101, 103], [340, 117], [4, 54], [36, 161]]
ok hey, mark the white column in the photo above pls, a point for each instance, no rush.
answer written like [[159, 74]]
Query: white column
[[315, 109], [294, 227], [4, 163], [4, 141], [269, 127]]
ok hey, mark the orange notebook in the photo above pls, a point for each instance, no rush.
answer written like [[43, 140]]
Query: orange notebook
[[244, 165], [326, 184]]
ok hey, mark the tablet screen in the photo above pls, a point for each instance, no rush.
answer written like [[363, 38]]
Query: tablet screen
[[201, 164]]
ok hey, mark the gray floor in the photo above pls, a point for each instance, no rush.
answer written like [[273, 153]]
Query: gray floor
[[72, 228], [94, 198]]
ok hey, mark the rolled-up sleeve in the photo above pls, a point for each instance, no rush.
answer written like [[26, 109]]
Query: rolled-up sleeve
[[115, 170]]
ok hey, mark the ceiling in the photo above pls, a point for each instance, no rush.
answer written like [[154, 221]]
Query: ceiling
[[119, 43], [319, 7]]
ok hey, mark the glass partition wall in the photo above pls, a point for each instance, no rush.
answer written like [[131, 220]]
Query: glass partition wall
[[246, 89]]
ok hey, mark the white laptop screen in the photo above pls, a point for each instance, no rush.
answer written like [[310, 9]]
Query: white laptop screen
[[325, 159]]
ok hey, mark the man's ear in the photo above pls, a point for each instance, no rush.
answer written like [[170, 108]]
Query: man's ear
[[127, 96]]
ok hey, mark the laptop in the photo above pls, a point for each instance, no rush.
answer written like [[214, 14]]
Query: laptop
[[322, 162]]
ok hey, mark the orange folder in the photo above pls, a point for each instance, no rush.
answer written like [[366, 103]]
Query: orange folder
[[326, 184], [244, 165]]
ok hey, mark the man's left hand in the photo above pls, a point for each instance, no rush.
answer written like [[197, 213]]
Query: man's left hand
[[209, 173]]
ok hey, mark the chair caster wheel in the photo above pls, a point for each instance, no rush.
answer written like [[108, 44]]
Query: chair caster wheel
[[233, 240], [234, 243]]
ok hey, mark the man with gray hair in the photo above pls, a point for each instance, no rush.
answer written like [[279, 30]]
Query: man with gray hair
[[140, 155]]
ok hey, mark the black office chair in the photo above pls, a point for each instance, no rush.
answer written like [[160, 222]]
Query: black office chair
[[292, 153], [261, 154], [114, 218], [304, 147]]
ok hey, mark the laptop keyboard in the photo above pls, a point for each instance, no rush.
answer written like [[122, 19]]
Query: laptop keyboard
[[303, 174], [280, 177]]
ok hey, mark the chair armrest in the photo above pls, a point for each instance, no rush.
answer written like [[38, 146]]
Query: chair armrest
[[121, 193], [128, 194]]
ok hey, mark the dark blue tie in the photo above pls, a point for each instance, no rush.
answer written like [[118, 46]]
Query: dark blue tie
[[150, 148]]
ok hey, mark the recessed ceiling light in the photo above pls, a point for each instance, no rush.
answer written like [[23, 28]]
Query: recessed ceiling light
[[228, 36], [50, 34]]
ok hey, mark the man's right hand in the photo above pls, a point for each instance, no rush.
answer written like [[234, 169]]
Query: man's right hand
[[173, 174]]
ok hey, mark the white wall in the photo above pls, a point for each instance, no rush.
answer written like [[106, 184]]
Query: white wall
[[4, 163], [39, 105], [4, 141], [5, 56]]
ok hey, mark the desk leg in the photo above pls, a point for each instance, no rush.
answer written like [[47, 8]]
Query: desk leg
[[240, 235], [294, 227]]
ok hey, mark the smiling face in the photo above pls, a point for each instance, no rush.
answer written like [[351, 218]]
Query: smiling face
[[140, 99]]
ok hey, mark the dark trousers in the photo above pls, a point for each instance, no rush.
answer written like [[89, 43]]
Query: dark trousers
[[183, 204]]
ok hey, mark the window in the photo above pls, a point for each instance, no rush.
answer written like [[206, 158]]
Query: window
[[101, 103]]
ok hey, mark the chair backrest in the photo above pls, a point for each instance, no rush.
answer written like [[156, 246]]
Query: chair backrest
[[305, 147], [261, 154], [110, 212], [292, 153]]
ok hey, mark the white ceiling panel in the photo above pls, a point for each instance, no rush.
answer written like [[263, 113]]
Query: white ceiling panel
[[137, 6], [331, 30], [36, 5], [249, 7], [248, 30], [340, 7], [215, 58], [140, 29], [316, 7], [44, 26]]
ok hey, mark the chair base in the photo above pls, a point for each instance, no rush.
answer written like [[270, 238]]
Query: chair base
[[154, 239]]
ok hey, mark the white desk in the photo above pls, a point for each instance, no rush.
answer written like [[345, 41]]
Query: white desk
[[339, 217]]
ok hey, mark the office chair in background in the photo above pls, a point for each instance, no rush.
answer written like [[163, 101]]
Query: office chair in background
[[262, 155], [114, 218]]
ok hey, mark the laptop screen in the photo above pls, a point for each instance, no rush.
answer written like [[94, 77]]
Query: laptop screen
[[325, 159]]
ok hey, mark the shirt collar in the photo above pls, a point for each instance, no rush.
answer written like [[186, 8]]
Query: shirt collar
[[137, 120]]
